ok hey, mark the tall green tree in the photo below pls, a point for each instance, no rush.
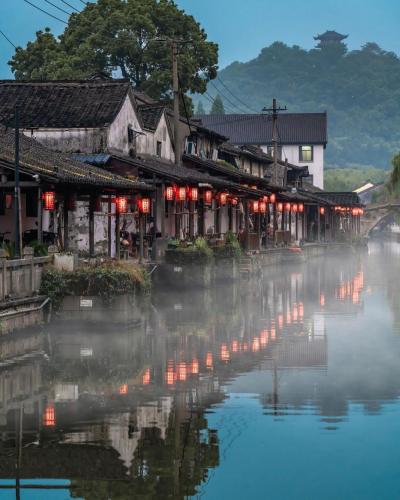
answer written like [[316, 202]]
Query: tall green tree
[[129, 37], [217, 107], [200, 109]]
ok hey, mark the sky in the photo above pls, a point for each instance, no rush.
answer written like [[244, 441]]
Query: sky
[[241, 28]]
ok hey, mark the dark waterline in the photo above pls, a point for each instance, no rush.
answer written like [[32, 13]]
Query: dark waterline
[[283, 388]]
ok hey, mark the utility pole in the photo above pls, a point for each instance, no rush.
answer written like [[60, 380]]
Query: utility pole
[[17, 193], [175, 88], [275, 110]]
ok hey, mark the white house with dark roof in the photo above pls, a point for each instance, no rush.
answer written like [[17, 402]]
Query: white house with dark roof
[[302, 136]]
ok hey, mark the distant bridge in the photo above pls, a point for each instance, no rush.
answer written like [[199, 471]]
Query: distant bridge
[[377, 216]]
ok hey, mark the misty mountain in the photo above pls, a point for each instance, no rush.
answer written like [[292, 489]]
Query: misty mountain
[[359, 89]]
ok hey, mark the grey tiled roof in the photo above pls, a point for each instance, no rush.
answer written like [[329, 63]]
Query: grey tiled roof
[[151, 115], [63, 104], [58, 167], [294, 128]]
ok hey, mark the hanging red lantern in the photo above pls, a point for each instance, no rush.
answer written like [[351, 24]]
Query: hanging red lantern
[[49, 199], [9, 201], [301, 207], [322, 210], [279, 207], [223, 198], [287, 207], [208, 196], [256, 207], [272, 198], [262, 207], [144, 205], [169, 193], [265, 199], [194, 193], [181, 193], [294, 207], [121, 204], [234, 201]]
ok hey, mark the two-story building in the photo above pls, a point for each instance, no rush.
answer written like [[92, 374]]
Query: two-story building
[[302, 137]]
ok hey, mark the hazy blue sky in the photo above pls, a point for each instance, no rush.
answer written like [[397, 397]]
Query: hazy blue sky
[[240, 27]]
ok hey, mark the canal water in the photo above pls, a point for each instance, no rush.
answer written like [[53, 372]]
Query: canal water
[[286, 387]]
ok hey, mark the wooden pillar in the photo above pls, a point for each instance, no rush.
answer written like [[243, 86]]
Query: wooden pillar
[[230, 217], [155, 201], [141, 236], [318, 224], [200, 217], [92, 202], [162, 210], [117, 236], [177, 220], [66, 221], [246, 224], [297, 225], [40, 216], [191, 219], [109, 227]]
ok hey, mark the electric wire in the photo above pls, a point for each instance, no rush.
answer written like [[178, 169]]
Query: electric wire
[[84, 3], [57, 7], [226, 98], [8, 40], [45, 12], [212, 99], [70, 6], [235, 97]]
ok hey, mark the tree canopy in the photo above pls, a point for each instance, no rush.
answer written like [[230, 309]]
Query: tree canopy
[[127, 37], [359, 89], [217, 107]]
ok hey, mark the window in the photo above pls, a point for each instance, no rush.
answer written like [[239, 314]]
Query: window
[[306, 153], [158, 148]]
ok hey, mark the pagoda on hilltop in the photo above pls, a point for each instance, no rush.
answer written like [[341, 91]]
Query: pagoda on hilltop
[[329, 38]]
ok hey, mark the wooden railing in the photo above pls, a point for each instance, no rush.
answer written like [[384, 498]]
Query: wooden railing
[[21, 278]]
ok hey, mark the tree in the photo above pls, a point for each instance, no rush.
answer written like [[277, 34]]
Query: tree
[[129, 37], [200, 109], [217, 107]]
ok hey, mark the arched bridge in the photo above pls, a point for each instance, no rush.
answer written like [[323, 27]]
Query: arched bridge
[[377, 216]]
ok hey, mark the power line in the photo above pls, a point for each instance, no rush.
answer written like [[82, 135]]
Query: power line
[[8, 40], [84, 3], [57, 7], [226, 98], [212, 99], [45, 12], [235, 97], [70, 6]]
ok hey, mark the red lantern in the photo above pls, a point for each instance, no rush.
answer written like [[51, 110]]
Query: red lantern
[[49, 198], [123, 389], [322, 210], [49, 417], [223, 197], [194, 193], [279, 207], [121, 204], [263, 207], [294, 207], [144, 205], [9, 201], [181, 193], [265, 199], [208, 197], [287, 207], [256, 207], [272, 198], [301, 207], [169, 193], [234, 201]]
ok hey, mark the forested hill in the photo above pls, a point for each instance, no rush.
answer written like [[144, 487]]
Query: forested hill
[[359, 89]]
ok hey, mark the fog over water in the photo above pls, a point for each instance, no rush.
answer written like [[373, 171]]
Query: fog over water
[[283, 387]]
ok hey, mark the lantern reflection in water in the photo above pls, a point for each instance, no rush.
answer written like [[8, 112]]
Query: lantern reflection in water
[[273, 333], [182, 371], [295, 315], [255, 346], [195, 367], [209, 360], [235, 346], [49, 417], [264, 338], [170, 375], [280, 321], [225, 355], [146, 377], [322, 300], [301, 310]]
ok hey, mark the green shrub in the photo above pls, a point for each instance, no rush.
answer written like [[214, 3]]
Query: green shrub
[[231, 248], [106, 281], [198, 253]]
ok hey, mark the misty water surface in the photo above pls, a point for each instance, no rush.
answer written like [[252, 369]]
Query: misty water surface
[[282, 388]]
